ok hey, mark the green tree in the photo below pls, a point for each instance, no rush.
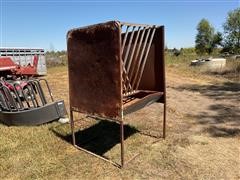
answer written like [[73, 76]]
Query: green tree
[[206, 39], [232, 31], [217, 40], [176, 52]]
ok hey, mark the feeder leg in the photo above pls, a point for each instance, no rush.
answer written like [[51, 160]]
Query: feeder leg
[[72, 128], [164, 121], [122, 143]]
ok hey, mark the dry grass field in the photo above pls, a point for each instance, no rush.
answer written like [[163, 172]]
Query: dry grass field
[[203, 137]]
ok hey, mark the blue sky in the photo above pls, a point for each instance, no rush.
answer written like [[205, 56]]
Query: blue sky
[[45, 23]]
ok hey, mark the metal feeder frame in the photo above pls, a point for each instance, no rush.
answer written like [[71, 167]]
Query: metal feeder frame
[[29, 106], [115, 68]]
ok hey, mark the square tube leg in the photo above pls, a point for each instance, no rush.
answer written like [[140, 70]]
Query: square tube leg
[[164, 121], [122, 143], [72, 128]]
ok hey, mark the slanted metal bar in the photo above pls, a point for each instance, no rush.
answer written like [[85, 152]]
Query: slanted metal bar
[[127, 79], [127, 67], [31, 92], [145, 58], [13, 99], [39, 93], [39, 90], [9, 96], [124, 40], [124, 86], [37, 84], [49, 90], [129, 45], [125, 60], [5, 99], [137, 53], [133, 50], [124, 69], [140, 59]]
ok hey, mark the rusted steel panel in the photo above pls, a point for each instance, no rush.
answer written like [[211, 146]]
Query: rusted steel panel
[[94, 64], [148, 81]]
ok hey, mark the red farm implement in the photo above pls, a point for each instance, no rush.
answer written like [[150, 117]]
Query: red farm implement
[[26, 99]]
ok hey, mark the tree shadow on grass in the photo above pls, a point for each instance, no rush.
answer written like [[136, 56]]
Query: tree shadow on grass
[[221, 119], [227, 90], [98, 138], [216, 131], [224, 123]]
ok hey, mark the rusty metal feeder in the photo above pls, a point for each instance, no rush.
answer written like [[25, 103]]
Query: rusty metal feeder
[[115, 68]]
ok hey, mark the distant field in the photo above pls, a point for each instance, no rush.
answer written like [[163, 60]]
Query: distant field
[[182, 62], [203, 134]]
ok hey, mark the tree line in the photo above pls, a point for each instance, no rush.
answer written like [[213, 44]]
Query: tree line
[[207, 39]]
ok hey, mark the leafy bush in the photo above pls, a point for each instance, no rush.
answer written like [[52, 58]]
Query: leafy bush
[[58, 58]]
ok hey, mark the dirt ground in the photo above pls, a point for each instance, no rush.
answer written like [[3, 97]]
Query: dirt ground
[[212, 109], [203, 138]]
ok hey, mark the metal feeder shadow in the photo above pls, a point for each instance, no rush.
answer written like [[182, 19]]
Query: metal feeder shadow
[[115, 68]]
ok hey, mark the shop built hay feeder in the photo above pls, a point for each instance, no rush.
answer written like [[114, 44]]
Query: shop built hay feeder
[[115, 68]]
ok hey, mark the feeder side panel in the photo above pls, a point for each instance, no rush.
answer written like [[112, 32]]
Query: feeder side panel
[[95, 69]]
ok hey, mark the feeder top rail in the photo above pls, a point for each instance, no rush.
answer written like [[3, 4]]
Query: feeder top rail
[[137, 25]]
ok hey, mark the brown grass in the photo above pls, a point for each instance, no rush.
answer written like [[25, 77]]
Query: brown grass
[[190, 151], [181, 64]]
